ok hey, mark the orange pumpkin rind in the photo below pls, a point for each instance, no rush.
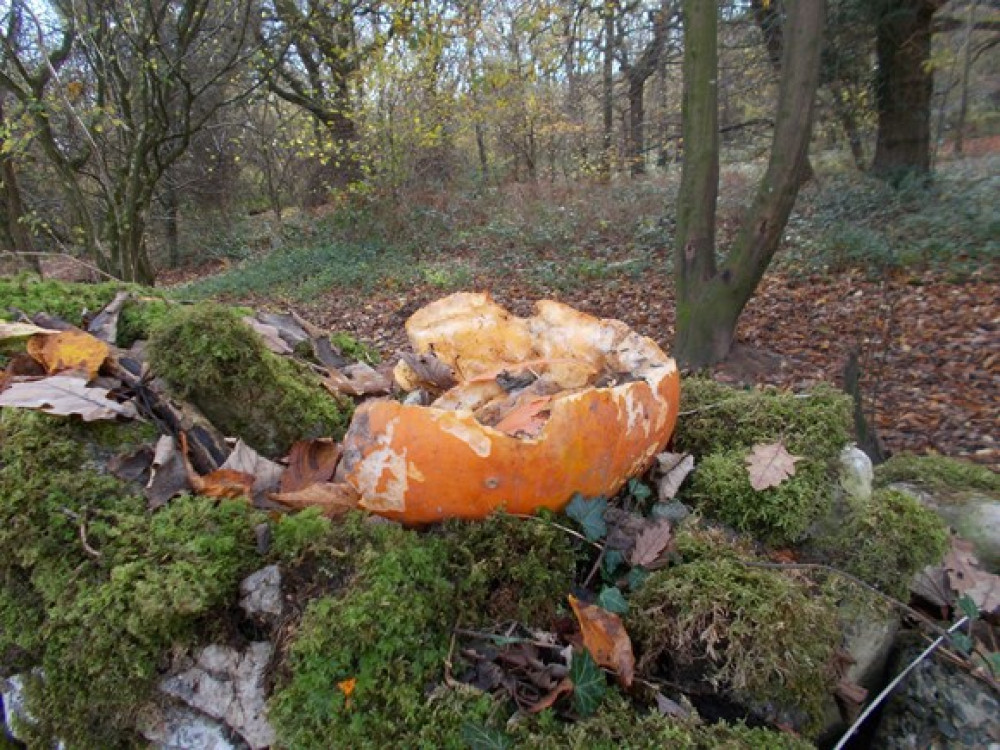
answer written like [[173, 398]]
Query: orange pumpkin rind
[[421, 464]]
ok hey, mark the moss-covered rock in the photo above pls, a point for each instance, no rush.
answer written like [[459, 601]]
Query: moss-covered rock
[[210, 356], [939, 473], [66, 300], [96, 590], [779, 515], [139, 317], [884, 540], [719, 418], [758, 634]]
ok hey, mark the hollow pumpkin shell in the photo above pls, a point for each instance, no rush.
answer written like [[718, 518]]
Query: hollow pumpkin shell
[[420, 464]]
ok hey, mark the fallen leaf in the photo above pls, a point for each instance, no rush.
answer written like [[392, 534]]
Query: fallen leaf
[[14, 333], [226, 484], [481, 737], [423, 371], [769, 465], [347, 686], [133, 466], [652, 543], [357, 380], [167, 475], [564, 687], [22, 365], [589, 684], [309, 462], [624, 528], [291, 332], [675, 468], [605, 637], [667, 707], [526, 419], [590, 515], [333, 499], [68, 350], [65, 395], [270, 335], [266, 473], [966, 577], [612, 600], [105, 324]]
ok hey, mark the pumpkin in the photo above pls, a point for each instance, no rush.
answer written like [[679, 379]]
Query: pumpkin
[[605, 404]]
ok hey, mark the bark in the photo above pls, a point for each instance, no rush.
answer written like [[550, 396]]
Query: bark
[[710, 299], [963, 103], [903, 87], [607, 92], [636, 75]]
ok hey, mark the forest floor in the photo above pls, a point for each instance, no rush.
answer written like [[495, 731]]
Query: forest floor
[[909, 282]]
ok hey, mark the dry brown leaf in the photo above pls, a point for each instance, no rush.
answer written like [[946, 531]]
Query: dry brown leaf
[[675, 468], [12, 333], [69, 350], [167, 476], [357, 380], [65, 395], [563, 687], [269, 334], [333, 499], [605, 637], [266, 473], [966, 577], [423, 371], [527, 418], [652, 542], [769, 465], [105, 324], [309, 462], [226, 483]]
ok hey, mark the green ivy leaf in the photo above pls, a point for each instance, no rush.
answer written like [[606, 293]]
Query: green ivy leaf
[[590, 515], [636, 577], [993, 660], [639, 490], [589, 683], [612, 600], [962, 642], [480, 737], [613, 559], [968, 607]]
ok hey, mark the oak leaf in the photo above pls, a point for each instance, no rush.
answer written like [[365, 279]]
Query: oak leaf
[[769, 465], [965, 576], [605, 637], [675, 468], [652, 542]]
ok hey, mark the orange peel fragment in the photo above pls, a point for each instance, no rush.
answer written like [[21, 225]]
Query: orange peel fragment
[[421, 464]]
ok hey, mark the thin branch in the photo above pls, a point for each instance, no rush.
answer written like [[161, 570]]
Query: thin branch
[[568, 530]]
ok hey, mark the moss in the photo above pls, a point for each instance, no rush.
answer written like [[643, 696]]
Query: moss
[[817, 425], [617, 724], [779, 515], [937, 473], [100, 617], [139, 317], [510, 569], [65, 300], [886, 540], [353, 349], [749, 631], [211, 357]]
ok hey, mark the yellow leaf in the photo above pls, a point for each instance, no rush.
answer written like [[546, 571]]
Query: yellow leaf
[[68, 350]]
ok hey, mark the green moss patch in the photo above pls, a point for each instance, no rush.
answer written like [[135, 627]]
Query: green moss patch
[[886, 540], [96, 590], [210, 356], [139, 317], [937, 473], [66, 300], [748, 631], [718, 418]]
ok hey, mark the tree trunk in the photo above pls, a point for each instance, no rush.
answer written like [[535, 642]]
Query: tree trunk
[[903, 87], [963, 102], [16, 234], [607, 93], [171, 208], [710, 299], [636, 115]]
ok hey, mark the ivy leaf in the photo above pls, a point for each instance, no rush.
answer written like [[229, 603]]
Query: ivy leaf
[[589, 684], [480, 737], [636, 577], [590, 515], [962, 642], [968, 606], [639, 490], [611, 599], [613, 558]]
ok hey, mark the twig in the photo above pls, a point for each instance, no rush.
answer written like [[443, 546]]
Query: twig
[[82, 529], [892, 685], [483, 636], [595, 568], [559, 526]]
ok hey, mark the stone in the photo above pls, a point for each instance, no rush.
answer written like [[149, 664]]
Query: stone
[[183, 728], [229, 685], [975, 516], [938, 705], [856, 473], [674, 511], [260, 594], [13, 694]]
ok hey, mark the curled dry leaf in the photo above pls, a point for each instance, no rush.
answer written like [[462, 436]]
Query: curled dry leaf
[[674, 468], [309, 462], [168, 476], [65, 395], [965, 576], [769, 465], [270, 335], [357, 380], [333, 499], [605, 637], [652, 542], [69, 350], [221, 483], [423, 371], [266, 473], [527, 418]]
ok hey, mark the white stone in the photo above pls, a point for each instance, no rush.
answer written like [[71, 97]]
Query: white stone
[[260, 593], [182, 728], [856, 473]]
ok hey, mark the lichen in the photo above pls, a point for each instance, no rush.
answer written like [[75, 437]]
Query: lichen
[[937, 473], [885, 540], [210, 356], [779, 515], [719, 418], [749, 632], [101, 590]]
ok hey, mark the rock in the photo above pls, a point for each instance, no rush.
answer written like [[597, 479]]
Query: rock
[[938, 705], [675, 511], [856, 473], [183, 728], [260, 594], [13, 694], [975, 516], [229, 685]]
